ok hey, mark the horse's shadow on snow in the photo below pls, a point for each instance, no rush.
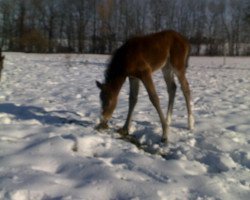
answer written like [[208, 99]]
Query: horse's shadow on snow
[[147, 134], [56, 118]]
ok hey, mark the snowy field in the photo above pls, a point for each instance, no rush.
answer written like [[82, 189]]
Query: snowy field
[[49, 149]]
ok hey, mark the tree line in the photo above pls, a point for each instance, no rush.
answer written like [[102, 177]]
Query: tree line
[[214, 27]]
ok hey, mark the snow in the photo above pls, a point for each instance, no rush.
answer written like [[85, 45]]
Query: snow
[[49, 149]]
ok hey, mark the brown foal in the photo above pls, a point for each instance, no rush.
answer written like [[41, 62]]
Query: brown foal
[[137, 59]]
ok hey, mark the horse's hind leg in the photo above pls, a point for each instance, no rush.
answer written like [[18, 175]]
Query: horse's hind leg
[[133, 95], [186, 91], [171, 87], [179, 65]]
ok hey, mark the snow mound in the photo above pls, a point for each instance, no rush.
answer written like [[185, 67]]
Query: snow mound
[[49, 149]]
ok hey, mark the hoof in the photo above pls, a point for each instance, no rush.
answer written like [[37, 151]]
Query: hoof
[[102, 126], [122, 131], [164, 140], [191, 129], [191, 123]]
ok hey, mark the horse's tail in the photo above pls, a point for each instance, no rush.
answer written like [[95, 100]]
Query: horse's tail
[[188, 55]]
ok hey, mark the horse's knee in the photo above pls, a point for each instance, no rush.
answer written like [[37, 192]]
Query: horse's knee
[[172, 88]]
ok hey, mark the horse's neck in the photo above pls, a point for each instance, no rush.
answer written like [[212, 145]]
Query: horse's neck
[[115, 84]]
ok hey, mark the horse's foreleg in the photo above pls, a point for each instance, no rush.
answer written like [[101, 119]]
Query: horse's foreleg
[[149, 85], [133, 95]]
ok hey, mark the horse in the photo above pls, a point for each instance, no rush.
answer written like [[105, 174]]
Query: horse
[[138, 58], [1, 63]]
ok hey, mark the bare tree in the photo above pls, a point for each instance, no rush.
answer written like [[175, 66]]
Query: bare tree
[[98, 26], [21, 16], [215, 28], [141, 15], [81, 20], [106, 35], [7, 30], [158, 13], [234, 26], [197, 24]]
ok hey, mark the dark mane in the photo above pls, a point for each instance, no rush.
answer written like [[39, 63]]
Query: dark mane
[[115, 67]]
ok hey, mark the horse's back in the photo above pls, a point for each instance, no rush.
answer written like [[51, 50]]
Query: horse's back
[[149, 53]]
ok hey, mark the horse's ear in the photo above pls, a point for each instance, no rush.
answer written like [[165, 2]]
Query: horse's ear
[[99, 85]]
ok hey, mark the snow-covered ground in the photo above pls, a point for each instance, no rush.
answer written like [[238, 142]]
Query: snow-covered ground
[[49, 149]]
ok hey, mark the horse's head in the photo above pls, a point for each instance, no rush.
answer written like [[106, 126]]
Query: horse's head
[[108, 103]]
